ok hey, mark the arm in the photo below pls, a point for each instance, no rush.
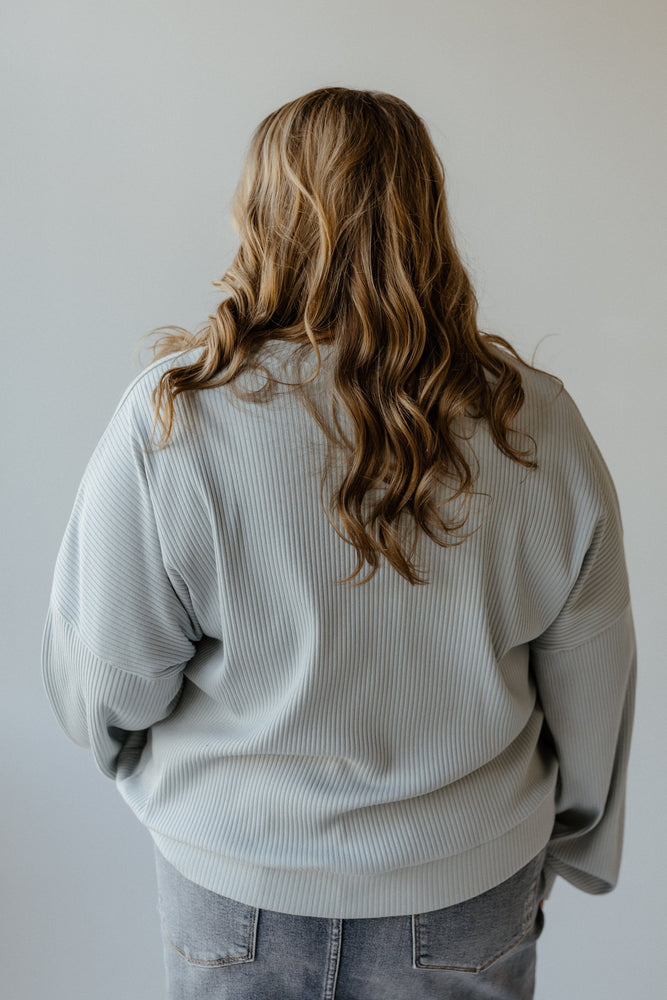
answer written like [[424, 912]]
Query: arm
[[117, 634], [585, 667]]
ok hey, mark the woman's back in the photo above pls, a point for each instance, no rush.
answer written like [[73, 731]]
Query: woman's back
[[379, 749]]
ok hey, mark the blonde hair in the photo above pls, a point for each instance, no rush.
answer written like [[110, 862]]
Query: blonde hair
[[345, 239]]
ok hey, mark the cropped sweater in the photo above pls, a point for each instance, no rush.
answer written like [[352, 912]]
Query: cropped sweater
[[307, 746]]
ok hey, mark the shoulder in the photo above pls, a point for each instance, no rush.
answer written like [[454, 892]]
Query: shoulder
[[550, 408], [566, 446], [144, 383], [135, 406]]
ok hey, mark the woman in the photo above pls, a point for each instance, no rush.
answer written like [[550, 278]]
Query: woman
[[356, 788]]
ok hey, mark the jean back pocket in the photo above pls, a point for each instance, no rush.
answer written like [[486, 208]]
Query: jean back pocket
[[471, 935], [206, 928]]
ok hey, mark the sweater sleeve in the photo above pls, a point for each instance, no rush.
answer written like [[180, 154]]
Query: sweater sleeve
[[118, 631], [585, 668]]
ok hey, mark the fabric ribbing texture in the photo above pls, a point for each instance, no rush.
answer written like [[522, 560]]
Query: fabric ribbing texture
[[331, 751]]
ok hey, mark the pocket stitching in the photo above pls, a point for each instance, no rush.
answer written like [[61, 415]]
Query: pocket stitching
[[531, 899], [215, 962]]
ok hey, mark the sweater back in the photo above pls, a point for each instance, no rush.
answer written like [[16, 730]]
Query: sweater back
[[311, 747]]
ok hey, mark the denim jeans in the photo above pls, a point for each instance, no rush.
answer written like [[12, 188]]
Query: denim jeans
[[481, 949]]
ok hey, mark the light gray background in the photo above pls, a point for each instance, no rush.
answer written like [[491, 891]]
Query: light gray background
[[125, 126]]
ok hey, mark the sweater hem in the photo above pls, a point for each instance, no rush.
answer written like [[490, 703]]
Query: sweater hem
[[402, 891]]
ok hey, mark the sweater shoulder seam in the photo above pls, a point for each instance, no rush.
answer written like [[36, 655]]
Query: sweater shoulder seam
[[535, 644], [164, 672]]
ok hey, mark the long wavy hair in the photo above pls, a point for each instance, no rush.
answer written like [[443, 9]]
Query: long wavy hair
[[345, 240]]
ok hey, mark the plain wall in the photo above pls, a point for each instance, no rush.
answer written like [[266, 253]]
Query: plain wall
[[125, 125]]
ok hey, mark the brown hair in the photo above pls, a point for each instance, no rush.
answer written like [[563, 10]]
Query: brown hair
[[345, 239]]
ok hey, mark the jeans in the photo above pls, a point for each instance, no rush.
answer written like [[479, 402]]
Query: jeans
[[481, 949]]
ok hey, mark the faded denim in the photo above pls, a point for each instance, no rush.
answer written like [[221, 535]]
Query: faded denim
[[216, 948]]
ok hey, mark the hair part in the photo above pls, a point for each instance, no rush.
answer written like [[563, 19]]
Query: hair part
[[345, 240]]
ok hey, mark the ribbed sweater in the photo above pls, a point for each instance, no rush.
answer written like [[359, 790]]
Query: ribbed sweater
[[335, 751]]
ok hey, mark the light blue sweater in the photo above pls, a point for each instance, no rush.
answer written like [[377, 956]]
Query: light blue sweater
[[335, 751]]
